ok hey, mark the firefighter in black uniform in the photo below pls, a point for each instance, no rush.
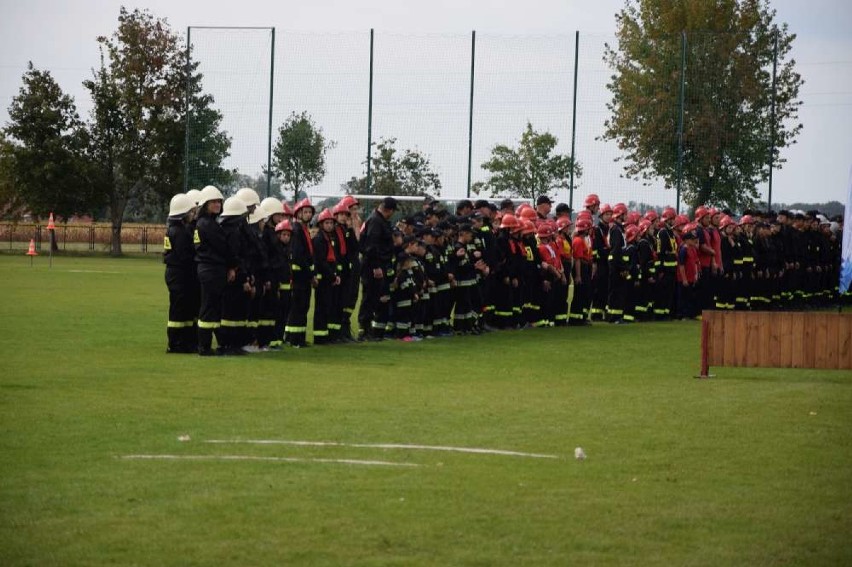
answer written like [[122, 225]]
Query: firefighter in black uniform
[[216, 264], [377, 270], [667, 246], [181, 278], [328, 268], [239, 289], [619, 268], [350, 265], [279, 265], [600, 255], [304, 277]]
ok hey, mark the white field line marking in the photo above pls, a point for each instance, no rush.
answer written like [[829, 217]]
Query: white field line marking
[[475, 450], [92, 272], [276, 459]]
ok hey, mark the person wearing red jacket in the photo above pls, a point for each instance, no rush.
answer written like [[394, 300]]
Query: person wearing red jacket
[[552, 274], [584, 269], [688, 275]]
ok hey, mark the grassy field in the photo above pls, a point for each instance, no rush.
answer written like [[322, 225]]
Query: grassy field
[[753, 467]]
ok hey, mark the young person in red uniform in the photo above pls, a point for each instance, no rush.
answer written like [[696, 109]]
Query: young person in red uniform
[[688, 275]]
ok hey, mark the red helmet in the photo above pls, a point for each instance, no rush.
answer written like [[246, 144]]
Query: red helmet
[[644, 225], [348, 201], [324, 215], [284, 225], [620, 209], [544, 231], [528, 214], [584, 215], [592, 201], [563, 222], [669, 213], [340, 209], [633, 217], [583, 225], [689, 227], [726, 221], [509, 221], [605, 208], [288, 210], [306, 202], [521, 207], [630, 233], [651, 215], [701, 212], [747, 219], [680, 221], [527, 227]]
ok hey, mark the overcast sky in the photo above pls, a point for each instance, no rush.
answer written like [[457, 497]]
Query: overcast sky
[[422, 61]]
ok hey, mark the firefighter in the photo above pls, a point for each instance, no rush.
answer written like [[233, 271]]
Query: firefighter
[[462, 276], [239, 290], [746, 245], [667, 250], [279, 263], [303, 274], [647, 271], [328, 267], [584, 268], [632, 287], [347, 238], [562, 242], [688, 274], [619, 267], [181, 279], [251, 254], [600, 254], [261, 325], [730, 270]]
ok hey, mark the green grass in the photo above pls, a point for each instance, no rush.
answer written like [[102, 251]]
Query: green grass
[[752, 467]]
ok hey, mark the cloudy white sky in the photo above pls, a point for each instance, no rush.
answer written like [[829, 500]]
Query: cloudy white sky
[[422, 81]]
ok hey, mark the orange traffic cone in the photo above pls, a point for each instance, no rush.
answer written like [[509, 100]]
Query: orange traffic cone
[[32, 250], [50, 225]]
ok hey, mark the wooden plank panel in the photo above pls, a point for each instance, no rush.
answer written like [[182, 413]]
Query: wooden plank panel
[[766, 331], [821, 340], [797, 337], [809, 340], [844, 343], [785, 340], [717, 337], [832, 332], [730, 340], [739, 331], [752, 340]]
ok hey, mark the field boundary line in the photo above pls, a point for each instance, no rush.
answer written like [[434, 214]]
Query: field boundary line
[[474, 450], [273, 459]]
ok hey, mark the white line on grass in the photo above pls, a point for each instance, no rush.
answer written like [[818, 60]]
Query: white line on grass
[[92, 272], [475, 450], [276, 459]]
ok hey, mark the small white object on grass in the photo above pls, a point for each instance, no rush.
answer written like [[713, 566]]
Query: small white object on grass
[[579, 453], [184, 438]]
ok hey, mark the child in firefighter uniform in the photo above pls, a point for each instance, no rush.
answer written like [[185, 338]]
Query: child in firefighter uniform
[[181, 278]]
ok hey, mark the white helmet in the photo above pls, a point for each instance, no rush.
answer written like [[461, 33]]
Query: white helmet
[[194, 195], [209, 193], [259, 214], [272, 206], [248, 196], [180, 205], [234, 207]]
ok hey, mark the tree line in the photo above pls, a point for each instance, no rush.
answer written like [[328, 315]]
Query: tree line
[[149, 105]]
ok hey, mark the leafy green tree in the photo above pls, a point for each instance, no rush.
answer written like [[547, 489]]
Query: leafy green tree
[[44, 150], [530, 170], [729, 124], [139, 119], [397, 173], [299, 153]]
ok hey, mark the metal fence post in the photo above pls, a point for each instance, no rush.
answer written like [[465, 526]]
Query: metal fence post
[[772, 118], [269, 137], [370, 120], [470, 117], [680, 120], [574, 121], [188, 111]]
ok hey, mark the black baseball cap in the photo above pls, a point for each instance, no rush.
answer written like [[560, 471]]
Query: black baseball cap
[[389, 203], [543, 200]]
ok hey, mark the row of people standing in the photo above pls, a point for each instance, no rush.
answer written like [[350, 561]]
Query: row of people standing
[[245, 270]]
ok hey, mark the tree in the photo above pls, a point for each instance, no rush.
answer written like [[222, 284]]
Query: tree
[[45, 150], [729, 128], [397, 173], [529, 171], [299, 153], [139, 118]]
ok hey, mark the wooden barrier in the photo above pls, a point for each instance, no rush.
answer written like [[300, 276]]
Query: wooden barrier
[[776, 339]]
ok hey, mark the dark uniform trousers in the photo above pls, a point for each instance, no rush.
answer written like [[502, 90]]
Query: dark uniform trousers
[[182, 330], [213, 281]]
